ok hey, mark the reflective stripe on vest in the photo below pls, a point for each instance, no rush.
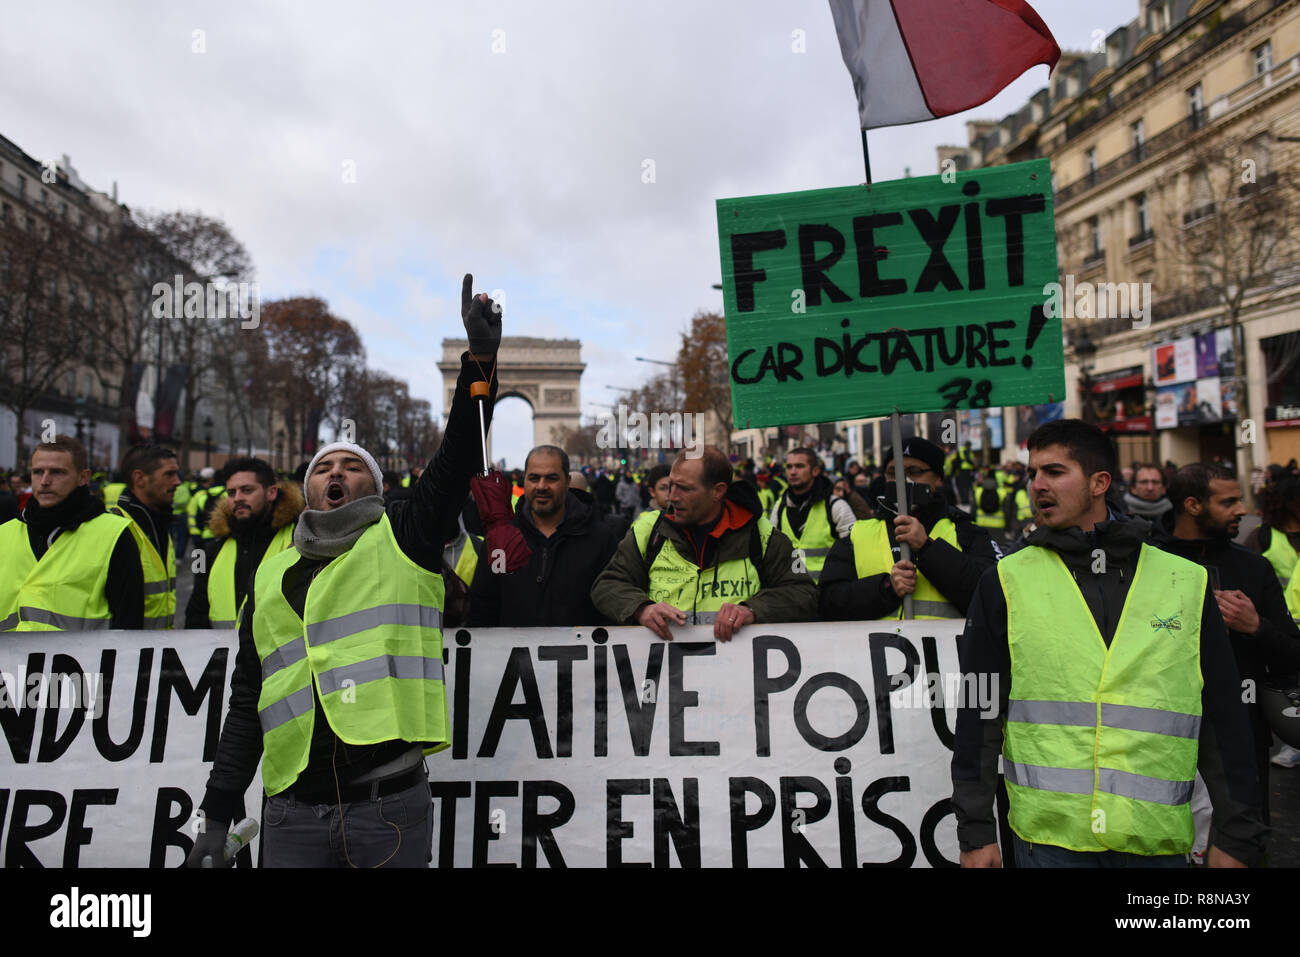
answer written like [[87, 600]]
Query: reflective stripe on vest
[[1281, 556], [873, 555], [159, 577], [1083, 741], [64, 591], [369, 642], [222, 612], [816, 539], [700, 592], [1024, 508]]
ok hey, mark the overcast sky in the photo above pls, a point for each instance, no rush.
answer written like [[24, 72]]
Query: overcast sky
[[523, 165]]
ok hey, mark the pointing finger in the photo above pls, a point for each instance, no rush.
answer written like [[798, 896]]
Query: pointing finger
[[466, 289]]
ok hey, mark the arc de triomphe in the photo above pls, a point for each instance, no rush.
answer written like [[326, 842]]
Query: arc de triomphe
[[545, 373]]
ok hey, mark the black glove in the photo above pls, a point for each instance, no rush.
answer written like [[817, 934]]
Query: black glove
[[482, 318], [210, 843]]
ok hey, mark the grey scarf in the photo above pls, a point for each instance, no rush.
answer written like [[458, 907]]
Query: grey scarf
[[328, 534]]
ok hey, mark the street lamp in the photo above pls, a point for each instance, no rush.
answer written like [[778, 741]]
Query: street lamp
[[658, 362], [207, 441], [1084, 350]]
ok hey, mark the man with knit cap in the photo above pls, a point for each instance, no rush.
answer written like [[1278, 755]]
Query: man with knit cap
[[338, 686]]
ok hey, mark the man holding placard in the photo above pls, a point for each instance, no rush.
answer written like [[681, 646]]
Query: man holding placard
[[865, 580]]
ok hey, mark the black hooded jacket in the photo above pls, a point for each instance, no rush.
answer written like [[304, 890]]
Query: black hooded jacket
[[1272, 654], [846, 597], [124, 589], [1225, 758], [555, 587]]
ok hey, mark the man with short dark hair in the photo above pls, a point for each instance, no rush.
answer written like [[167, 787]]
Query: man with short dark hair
[[65, 564], [809, 513], [254, 520], [1146, 499], [151, 476], [1207, 501], [658, 484], [716, 559], [1116, 685], [569, 543]]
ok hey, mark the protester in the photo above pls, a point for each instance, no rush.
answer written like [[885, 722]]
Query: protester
[[658, 484], [1147, 500], [253, 521], [68, 565], [1208, 507], [1091, 635], [151, 476], [681, 568], [570, 546], [865, 578], [338, 686], [808, 513], [861, 510]]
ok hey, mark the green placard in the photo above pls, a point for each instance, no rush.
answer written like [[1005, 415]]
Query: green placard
[[918, 295]]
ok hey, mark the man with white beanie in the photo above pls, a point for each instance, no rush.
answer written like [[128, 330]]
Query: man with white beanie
[[338, 685]]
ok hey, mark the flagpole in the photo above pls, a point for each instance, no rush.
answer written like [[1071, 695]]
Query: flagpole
[[866, 157]]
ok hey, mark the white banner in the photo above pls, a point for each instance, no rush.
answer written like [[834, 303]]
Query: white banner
[[799, 744], [109, 739]]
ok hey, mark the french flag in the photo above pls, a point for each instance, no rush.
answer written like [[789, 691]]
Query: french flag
[[914, 60]]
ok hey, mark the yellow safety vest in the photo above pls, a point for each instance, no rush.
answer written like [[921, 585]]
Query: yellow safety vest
[[369, 643], [159, 577], [873, 555], [1024, 508], [64, 590], [997, 519], [112, 491], [222, 612], [816, 539], [699, 592], [1292, 594], [1101, 742], [1281, 555], [464, 561]]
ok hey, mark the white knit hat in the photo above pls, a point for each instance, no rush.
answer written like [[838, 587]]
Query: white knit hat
[[351, 449]]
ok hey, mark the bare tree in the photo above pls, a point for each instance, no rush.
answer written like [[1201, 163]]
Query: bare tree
[[40, 335], [203, 251], [704, 371]]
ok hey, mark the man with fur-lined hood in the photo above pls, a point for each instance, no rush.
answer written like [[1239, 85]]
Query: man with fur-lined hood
[[254, 519]]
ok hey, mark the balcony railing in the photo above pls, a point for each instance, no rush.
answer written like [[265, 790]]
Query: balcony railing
[[1094, 258], [1197, 214], [1157, 144], [1143, 237], [1267, 181], [1228, 27]]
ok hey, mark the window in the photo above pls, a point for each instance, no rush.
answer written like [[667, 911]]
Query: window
[[45, 198], [1161, 15], [1143, 214], [1094, 237], [22, 185], [1263, 56], [1090, 161], [5, 213], [1196, 106], [1139, 138]]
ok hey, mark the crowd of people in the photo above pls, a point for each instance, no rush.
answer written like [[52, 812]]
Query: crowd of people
[[1133, 640]]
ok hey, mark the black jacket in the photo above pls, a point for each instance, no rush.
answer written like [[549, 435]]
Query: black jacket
[[124, 588], [1225, 759], [846, 597], [154, 522], [1272, 654], [555, 587], [421, 525]]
